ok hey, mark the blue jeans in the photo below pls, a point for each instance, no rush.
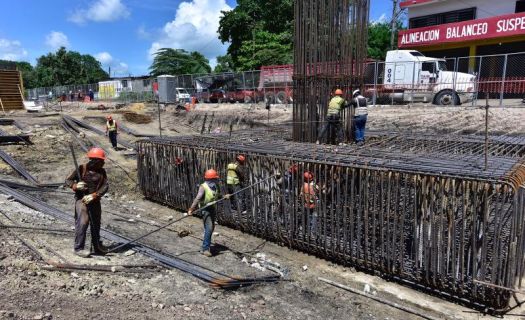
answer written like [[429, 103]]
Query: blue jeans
[[208, 218], [359, 128]]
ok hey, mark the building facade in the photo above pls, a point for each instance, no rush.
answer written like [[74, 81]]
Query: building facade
[[461, 28]]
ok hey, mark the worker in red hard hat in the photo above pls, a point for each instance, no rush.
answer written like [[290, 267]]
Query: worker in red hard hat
[[89, 189], [209, 192], [333, 118], [310, 195], [112, 131], [235, 178]]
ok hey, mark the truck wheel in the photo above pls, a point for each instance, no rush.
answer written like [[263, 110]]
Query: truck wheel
[[269, 98], [447, 98], [247, 99], [280, 98]]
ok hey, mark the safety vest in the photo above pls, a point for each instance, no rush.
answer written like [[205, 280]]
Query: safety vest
[[209, 194], [232, 177], [360, 106], [310, 198], [336, 105], [112, 127]]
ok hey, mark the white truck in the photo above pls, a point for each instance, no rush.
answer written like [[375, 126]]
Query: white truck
[[411, 77]]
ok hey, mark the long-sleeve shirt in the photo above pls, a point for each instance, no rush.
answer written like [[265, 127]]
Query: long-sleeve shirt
[[200, 194], [96, 181]]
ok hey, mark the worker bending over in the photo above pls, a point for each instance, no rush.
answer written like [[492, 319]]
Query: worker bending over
[[89, 188], [333, 117], [209, 192], [234, 180], [111, 131], [360, 116]]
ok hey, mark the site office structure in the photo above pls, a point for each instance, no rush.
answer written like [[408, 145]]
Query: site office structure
[[461, 28]]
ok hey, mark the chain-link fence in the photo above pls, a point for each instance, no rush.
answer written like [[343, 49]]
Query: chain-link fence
[[449, 81]]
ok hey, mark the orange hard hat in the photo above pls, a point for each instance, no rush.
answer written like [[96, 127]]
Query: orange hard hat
[[109, 118], [338, 92], [308, 176], [293, 169], [96, 153], [241, 158], [211, 174]]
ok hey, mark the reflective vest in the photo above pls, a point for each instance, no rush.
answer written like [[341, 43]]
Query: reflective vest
[[309, 195], [336, 105], [232, 177], [209, 194], [360, 106], [112, 127]]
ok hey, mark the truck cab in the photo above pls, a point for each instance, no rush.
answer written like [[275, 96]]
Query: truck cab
[[412, 77]]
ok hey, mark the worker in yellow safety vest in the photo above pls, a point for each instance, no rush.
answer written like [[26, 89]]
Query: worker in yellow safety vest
[[333, 118], [234, 181], [209, 192], [111, 131]]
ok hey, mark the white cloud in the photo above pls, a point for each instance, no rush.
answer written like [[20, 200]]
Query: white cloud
[[57, 39], [142, 33], [101, 11], [104, 57], [194, 29], [382, 19], [11, 50], [118, 68]]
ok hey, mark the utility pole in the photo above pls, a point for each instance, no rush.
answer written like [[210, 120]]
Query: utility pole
[[394, 23]]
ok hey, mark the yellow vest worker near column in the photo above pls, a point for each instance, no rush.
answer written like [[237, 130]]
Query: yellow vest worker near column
[[333, 118], [234, 181], [111, 131]]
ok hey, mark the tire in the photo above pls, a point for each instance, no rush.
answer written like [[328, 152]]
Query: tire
[[247, 99], [280, 98], [269, 97], [447, 98]]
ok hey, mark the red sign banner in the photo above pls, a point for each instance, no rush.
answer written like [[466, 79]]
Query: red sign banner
[[495, 27]]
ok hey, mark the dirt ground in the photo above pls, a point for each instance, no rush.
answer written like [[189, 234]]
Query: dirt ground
[[30, 290]]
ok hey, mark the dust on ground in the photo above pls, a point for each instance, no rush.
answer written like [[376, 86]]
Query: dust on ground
[[30, 291]]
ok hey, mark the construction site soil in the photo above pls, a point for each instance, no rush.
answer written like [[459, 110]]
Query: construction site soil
[[136, 287]]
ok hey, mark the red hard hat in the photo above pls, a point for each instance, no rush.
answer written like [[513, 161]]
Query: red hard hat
[[109, 117], [241, 158], [211, 174], [96, 153], [308, 176], [293, 169], [338, 92]]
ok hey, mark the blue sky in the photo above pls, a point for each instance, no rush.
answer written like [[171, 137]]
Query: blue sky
[[120, 33]]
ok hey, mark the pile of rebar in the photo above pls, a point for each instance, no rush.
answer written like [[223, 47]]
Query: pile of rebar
[[330, 48], [436, 218]]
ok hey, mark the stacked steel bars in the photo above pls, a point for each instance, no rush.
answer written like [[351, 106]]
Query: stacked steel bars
[[330, 47], [436, 220]]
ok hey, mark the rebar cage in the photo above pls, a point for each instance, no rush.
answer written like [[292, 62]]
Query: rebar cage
[[438, 220]]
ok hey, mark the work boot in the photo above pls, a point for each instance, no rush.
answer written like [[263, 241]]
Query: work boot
[[82, 253], [206, 253]]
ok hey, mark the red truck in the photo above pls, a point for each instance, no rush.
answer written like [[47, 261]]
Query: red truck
[[276, 84]]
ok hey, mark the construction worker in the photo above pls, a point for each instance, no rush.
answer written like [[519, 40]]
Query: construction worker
[[111, 130], [333, 117], [89, 188], [310, 197], [208, 193], [360, 116], [91, 95], [286, 182], [234, 180]]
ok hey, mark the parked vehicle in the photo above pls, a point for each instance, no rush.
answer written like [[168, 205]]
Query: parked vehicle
[[219, 96], [412, 77], [244, 95], [276, 84]]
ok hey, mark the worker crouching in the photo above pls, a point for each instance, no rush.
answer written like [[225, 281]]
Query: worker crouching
[[207, 196], [89, 187]]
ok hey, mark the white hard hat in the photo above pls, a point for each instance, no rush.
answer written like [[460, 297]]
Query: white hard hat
[[357, 91]]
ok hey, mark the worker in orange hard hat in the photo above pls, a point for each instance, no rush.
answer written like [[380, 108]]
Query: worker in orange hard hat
[[235, 178], [112, 131], [209, 192], [309, 194], [333, 118], [89, 188]]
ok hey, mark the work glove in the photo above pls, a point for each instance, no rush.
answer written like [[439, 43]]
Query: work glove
[[227, 196], [80, 186], [190, 212], [89, 198]]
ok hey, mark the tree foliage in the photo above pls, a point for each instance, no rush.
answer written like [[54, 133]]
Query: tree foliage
[[178, 61], [66, 68], [379, 39], [253, 25], [224, 64]]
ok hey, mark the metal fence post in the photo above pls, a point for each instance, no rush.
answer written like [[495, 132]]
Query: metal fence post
[[503, 80], [374, 97]]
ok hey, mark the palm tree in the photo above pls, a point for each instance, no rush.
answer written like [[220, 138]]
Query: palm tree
[[178, 61]]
